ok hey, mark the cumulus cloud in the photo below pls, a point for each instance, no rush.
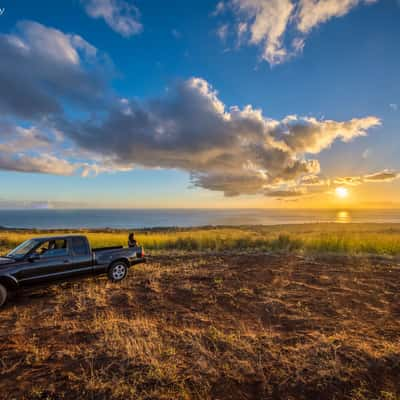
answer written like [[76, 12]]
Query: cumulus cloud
[[229, 149], [19, 139], [44, 163], [237, 151], [230, 184], [309, 135], [271, 23], [41, 66], [40, 150], [120, 15]]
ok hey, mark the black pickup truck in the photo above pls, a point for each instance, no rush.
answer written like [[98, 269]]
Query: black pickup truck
[[48, 259]]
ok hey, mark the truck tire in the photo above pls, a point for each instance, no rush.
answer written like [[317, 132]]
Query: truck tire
[[3, 295], [117, 271]]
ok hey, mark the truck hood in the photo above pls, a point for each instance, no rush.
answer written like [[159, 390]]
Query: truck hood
[[5, 261]]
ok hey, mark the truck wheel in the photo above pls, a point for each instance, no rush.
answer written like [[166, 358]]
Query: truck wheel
[[3, 295], [117, 271]]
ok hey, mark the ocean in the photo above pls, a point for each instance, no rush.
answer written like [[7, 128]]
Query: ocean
[[150, 218]]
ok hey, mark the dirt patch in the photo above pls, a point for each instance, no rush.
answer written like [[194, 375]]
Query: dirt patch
[[223, 326]]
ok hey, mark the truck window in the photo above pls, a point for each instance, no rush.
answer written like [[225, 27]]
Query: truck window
[[53, 248], [79, 246]]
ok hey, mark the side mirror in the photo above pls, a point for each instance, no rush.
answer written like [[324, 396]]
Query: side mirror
[[34, 257]]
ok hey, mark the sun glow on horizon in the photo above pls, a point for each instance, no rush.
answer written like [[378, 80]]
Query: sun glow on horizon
[[341, 192]]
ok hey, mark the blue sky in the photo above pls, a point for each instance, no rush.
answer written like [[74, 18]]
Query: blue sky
[[346, 68]]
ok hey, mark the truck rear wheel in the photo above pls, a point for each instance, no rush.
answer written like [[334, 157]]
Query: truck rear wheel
[[3, 294], [117, 271]]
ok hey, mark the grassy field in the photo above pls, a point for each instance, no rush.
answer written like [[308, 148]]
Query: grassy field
[[320, 238], [306, 312]]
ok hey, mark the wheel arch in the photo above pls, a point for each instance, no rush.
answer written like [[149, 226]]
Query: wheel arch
[[9, 282], [123, 259]]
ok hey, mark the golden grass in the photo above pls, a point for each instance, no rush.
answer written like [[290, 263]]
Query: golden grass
[[333, 238]]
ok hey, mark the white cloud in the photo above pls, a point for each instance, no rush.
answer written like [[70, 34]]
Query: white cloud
[[386, 175], [270, 22], [40, 150], [382, 176], [22, 139], [315, 12], [120, 15], [394, 106], [230, 149], [309, 135], [44, 163], [237, 151], [314, 180], [366, 154], [267, 21], [51, 43], [222, 32], [42, 66], [233, 150], [349, 180], [219, 9]]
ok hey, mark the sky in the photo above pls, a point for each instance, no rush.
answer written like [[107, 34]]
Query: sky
[[201, 104]]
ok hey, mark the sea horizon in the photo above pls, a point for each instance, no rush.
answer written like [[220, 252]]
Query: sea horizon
[[141, 218]]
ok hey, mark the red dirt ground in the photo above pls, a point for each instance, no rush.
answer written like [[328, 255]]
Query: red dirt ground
[[218, 326]]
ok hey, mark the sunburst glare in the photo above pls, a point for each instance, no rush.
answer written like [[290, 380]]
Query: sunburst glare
[[341, 192]]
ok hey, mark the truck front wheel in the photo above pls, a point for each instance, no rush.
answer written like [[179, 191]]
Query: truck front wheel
[[117, 271], [3, 294]]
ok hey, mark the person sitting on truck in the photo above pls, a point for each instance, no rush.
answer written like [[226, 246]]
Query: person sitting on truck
[[131, 240]]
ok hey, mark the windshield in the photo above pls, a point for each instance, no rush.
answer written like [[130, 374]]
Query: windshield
[[23, 249]]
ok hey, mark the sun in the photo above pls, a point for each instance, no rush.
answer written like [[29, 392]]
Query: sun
[[341, 192]]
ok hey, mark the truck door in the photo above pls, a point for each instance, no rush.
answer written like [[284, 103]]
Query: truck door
[[81, 256], [50, 261]]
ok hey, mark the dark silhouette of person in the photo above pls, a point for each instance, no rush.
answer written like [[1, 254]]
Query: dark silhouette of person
[[131, 240]]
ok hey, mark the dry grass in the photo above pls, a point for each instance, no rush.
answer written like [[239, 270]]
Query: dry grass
[[315, 238], [211, 327]]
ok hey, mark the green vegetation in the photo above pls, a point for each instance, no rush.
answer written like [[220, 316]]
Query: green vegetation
[[320, 238]]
